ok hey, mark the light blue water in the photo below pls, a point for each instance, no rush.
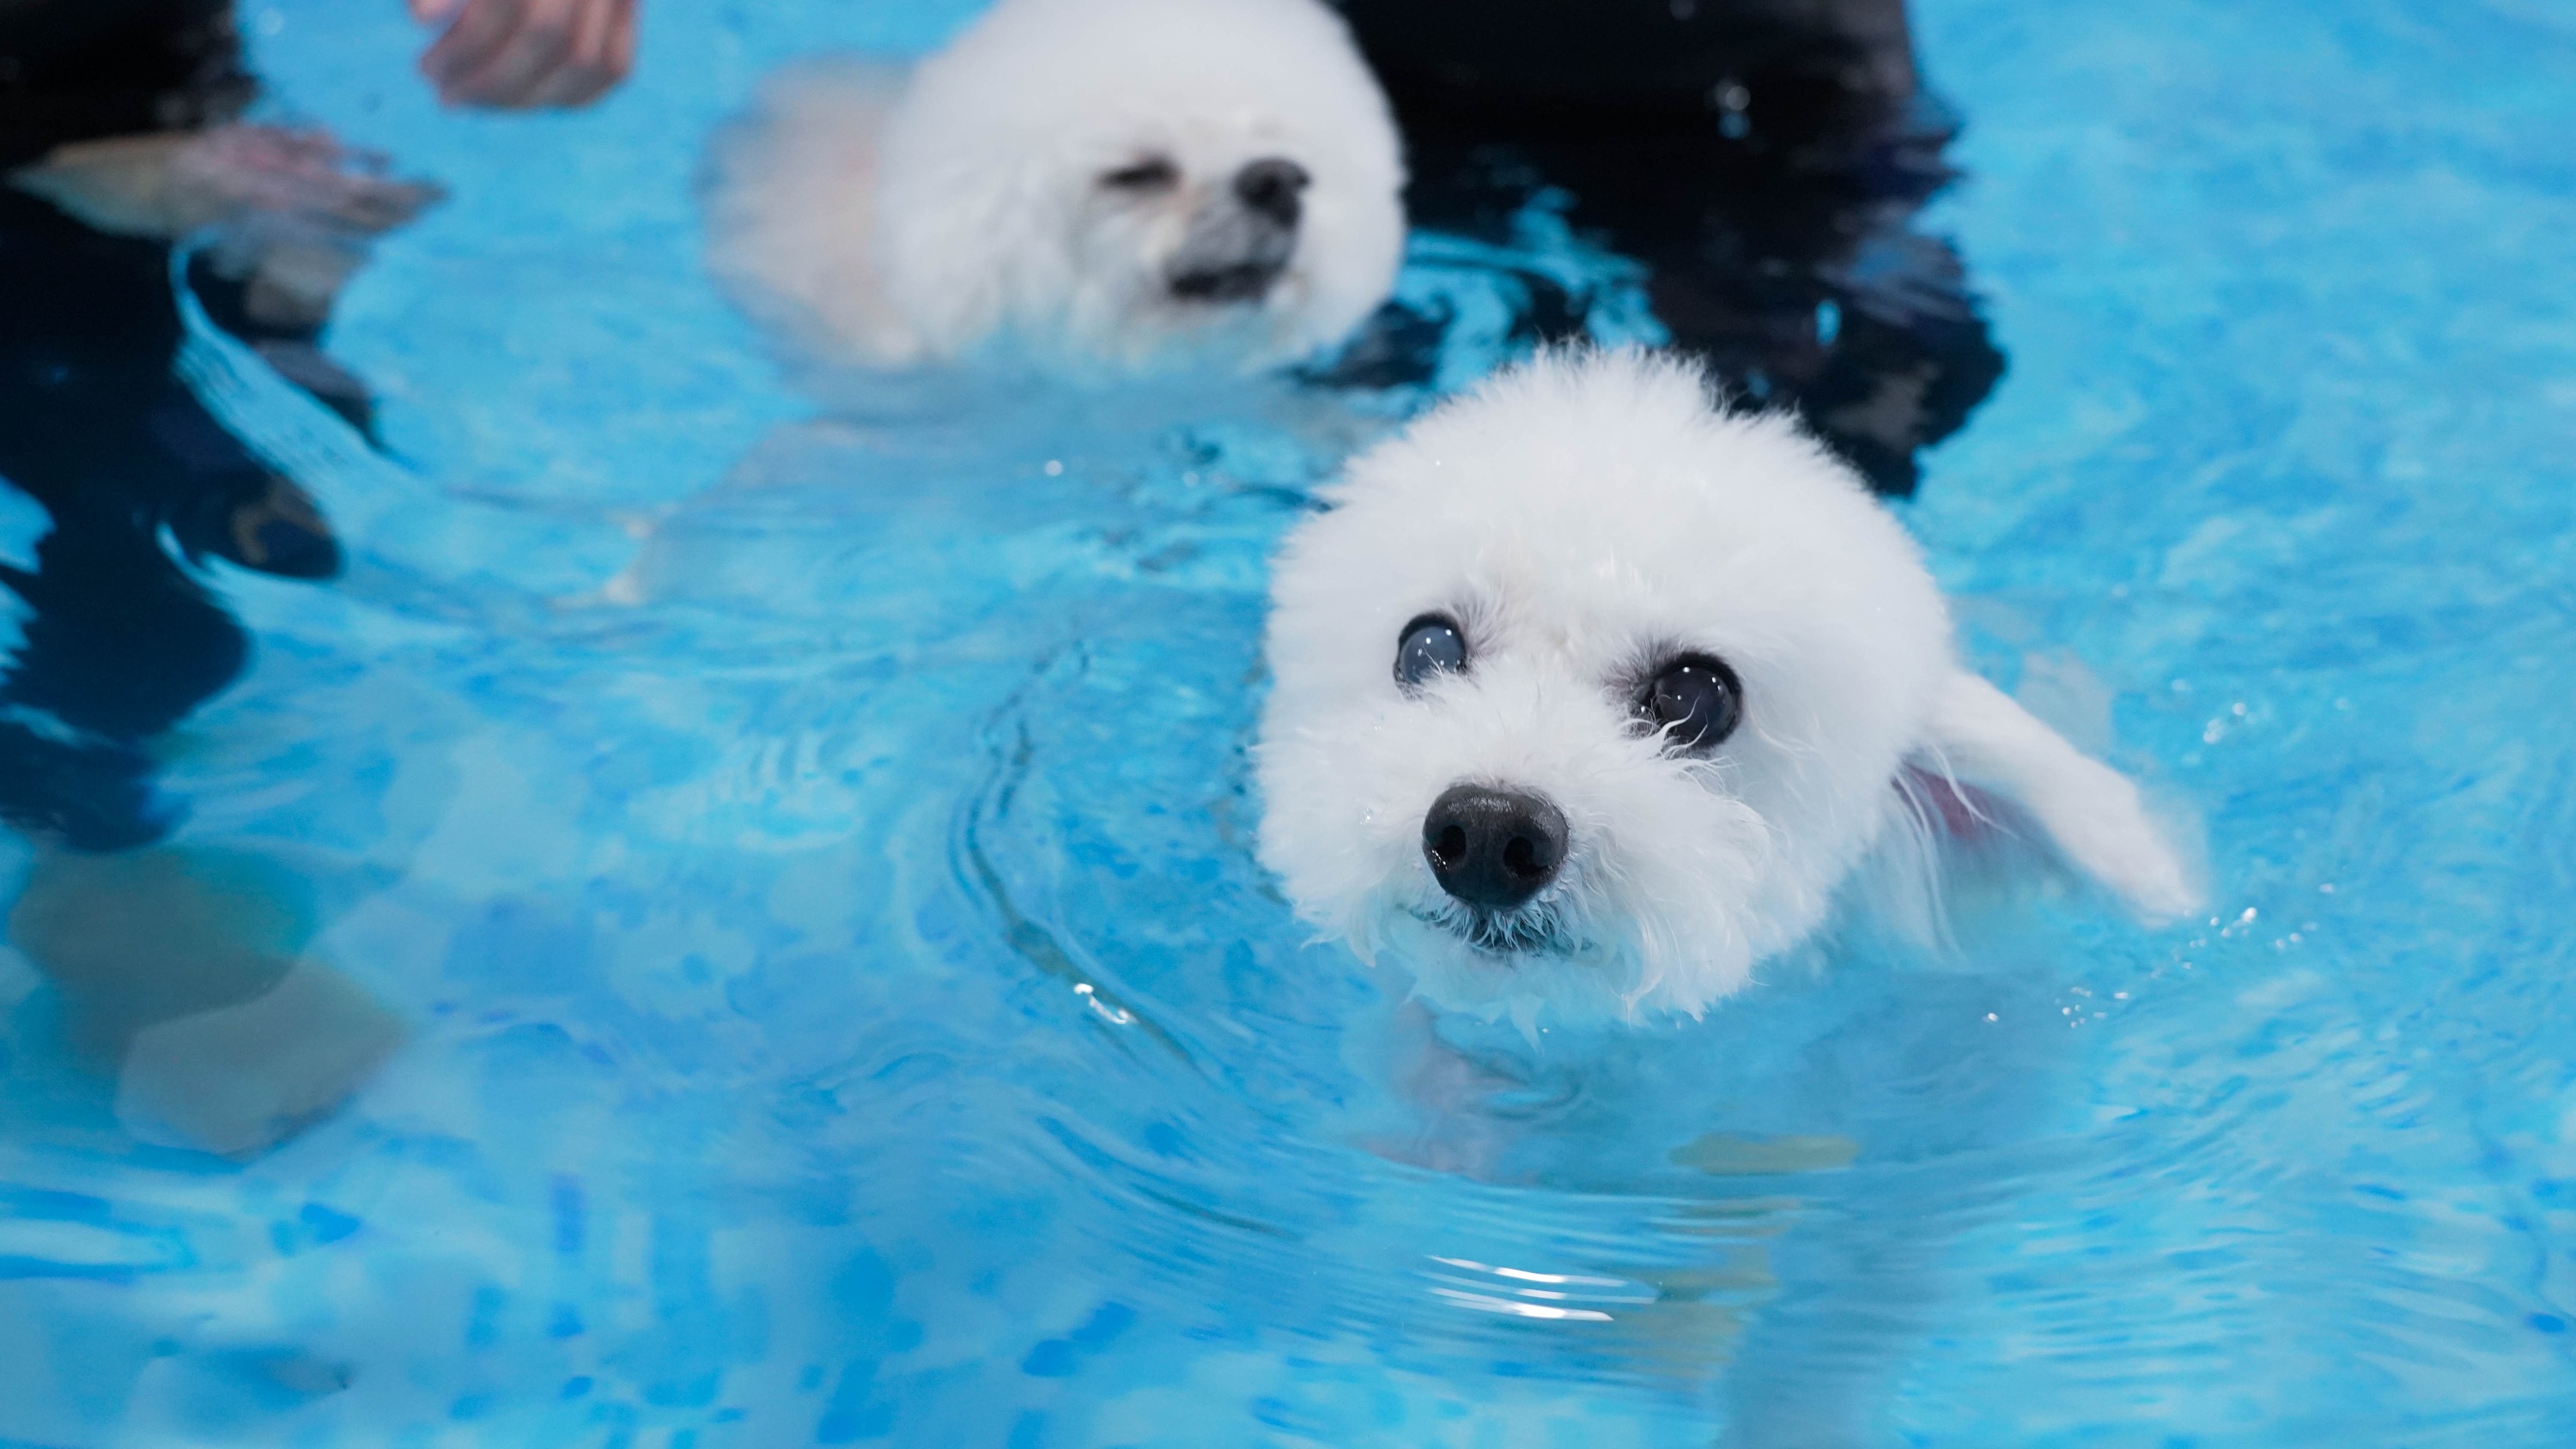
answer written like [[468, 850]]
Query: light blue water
[[845, 1009]]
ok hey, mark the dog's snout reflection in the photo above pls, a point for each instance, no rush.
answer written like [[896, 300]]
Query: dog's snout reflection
[[184, 975], [1491, 848]]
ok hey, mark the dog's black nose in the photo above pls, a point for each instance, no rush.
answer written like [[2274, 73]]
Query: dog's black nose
[[1493, 848], [1271, 187]]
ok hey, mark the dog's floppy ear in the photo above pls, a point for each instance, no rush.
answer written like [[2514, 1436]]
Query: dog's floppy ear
[[948, 252], [1981, 747]]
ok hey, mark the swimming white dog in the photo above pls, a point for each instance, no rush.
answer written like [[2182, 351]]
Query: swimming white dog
[[1589, 697], [1129, 181]]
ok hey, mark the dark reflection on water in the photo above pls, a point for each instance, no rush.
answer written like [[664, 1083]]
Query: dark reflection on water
[[1765, 162], [131, 192]]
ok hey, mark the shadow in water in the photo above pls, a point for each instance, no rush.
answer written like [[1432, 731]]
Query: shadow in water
[[182, 976], [1766, 163]]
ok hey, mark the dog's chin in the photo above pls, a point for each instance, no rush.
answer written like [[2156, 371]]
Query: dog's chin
[[1165, 331], [1526, 965], [1506, 936]]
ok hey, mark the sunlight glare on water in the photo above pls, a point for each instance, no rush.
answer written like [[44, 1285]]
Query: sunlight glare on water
[[812, 855]]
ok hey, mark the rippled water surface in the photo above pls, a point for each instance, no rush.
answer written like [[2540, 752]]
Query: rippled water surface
[[812, 856]]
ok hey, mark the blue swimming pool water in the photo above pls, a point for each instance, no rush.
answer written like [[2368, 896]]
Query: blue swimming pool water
[[812, 857]]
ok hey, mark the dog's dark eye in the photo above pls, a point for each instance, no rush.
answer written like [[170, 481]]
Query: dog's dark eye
[[1694, 701], [1151, 173], [1429, 645]]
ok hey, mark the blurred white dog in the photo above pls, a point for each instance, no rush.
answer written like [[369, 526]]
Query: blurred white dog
[[1139, 182], [1590, 697]]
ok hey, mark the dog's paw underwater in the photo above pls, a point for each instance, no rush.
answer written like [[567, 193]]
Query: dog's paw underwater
[[1589, 697], [1120, 183]]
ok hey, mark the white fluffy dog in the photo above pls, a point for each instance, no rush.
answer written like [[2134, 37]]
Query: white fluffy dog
[[1129, 181], [1588, 696]]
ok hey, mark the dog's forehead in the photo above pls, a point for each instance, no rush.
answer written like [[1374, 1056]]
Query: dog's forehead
[[1599, 561], [1213, 137], [1181, 76], [1592, 507]]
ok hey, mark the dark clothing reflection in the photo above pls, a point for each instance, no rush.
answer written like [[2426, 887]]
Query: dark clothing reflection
[[121, 641], [180, 973], [1764, 159]]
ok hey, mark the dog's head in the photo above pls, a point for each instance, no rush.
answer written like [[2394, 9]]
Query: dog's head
[[1142, 180], [1587, 695]]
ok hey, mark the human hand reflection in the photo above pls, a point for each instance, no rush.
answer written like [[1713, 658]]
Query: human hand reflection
[[527, 54]]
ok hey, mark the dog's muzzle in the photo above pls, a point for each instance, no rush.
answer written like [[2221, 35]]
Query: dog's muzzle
[[1240, 243]]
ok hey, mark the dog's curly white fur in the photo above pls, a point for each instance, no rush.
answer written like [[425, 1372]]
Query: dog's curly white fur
[[1139, 182], [1583, 521]]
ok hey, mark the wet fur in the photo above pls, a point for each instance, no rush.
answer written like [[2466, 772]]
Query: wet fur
[[890, 216], [1580, 516]]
